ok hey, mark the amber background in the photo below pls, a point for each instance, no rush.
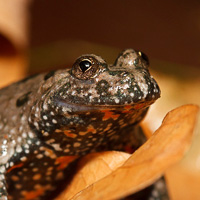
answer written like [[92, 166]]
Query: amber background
[[53, 34], [166, 30]]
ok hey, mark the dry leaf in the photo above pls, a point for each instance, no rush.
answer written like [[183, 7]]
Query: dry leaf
[[147, 164], [97, 165]]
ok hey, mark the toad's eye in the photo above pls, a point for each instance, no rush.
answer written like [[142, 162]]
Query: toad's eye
[[144, 58], [87, 67]]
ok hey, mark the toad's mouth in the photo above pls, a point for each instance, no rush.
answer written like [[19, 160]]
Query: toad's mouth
[[74, 107]]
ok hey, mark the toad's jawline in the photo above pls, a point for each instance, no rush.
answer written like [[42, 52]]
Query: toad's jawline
[[77, 107]]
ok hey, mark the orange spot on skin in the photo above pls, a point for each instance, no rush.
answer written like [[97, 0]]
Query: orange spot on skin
[[108, 114], [33, 194], [15, 178], [58, 131], [49, 151], [5, 136], [37, 177], [127, 109], [108, 127], [83, 133], [15, 166], [90, 128], [64, 161], [68, 133], [141, 105]]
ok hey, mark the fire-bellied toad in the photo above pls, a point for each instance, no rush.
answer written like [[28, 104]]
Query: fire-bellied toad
[[49, 120]]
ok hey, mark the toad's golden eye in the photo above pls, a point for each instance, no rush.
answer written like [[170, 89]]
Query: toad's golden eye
[[144, 58], [86, 67]]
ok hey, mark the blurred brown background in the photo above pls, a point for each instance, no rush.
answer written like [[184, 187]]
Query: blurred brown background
[[165, 30], [37, 36]]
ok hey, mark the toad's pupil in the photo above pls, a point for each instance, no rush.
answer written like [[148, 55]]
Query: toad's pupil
[[84, 65]]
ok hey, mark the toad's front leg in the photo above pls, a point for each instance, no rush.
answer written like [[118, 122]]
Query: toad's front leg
[[41, 176]]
